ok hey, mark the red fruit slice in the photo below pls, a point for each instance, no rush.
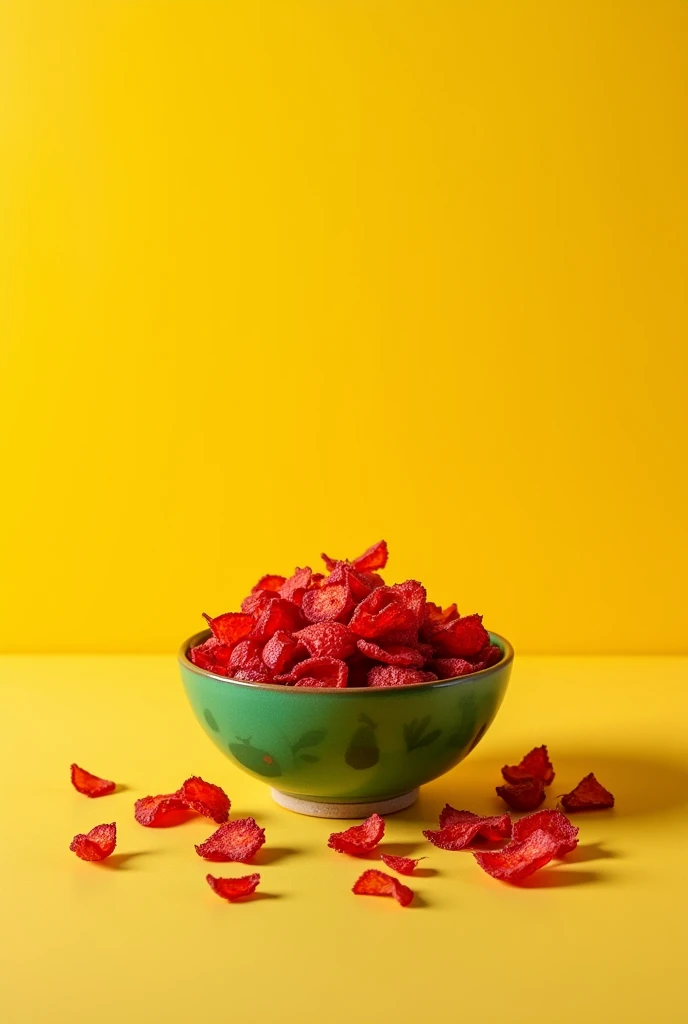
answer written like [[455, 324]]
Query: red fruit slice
[[359, 839], [374, 558], [392, 675], [269, 583], [377, 883], [523, 796], [235, 840], [458, 829], [256, 603], [230, 627], [554, 823], [589, 795], [328, 603], [450, 668], [246, 662], [317, 672], [393, 654], [90, 785], [535, 765], [281, 652], [97, 844], [520, 859], [160, 811], [296, 586], [213, 656], [489, 656], [233, 888], [205, 798], [327, 639], [461, 638], [404, 865], [279, 614]]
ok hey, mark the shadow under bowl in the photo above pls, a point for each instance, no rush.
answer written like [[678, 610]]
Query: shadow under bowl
[[345, 753]]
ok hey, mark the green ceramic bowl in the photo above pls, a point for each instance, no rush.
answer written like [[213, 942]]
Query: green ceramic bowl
[[345, 753]]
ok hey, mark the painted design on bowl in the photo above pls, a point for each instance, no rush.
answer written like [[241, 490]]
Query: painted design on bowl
[[363, 750]]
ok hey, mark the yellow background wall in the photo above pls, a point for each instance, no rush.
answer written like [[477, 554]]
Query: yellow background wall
[[279, 277]]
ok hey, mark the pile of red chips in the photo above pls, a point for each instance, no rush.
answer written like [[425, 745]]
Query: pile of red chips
[[526, 845], [344, 628]]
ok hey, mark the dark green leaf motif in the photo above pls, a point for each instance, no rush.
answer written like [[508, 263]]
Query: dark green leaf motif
[[256, 760], [363, 751], [210, 719], [416, 736], [308, 739]]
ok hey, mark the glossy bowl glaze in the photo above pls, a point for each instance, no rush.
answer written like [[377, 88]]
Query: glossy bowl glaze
[[344, 753]]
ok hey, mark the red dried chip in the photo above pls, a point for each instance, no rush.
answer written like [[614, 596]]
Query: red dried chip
[[589, 795], [461, 638], [235, 840], [556, 824], [359, 667], [435, 617], [359, 584], [279, 614], [97, 844], [404, 865], [205, 798], [374, 558], [255, 604], [389, 609], [269, 583], [160, 811], [282, 651], [247, 654], [518, 860], [296, 586], [489, 656], [90, 785], [359, 839], [329, 603], [330, 672], [327, 639], [460, 828], [523, 796], [451, 668], [213, 656], [393, 654], [377, 883], [230, 627], [392, 675], [535, 765], [233, 888]]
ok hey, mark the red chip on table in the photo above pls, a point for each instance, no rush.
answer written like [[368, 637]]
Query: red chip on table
[[377, 883], [161, 811], [97, 844], [589, 795], [515, 862], [205, 798], [359, 839], [556, 824], [523, 796], [535, 765], [403, 865], [90, 785], [233, 888], [458, 829], [237, 840]]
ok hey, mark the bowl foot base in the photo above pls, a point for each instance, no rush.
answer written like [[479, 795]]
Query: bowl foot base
[[353, 809]]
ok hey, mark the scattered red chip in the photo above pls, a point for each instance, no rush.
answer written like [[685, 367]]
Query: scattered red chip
[[589, 795], [461, 638], [556, 824], [458, 829], [271, 584], [279, 614], [330, 672], [331, 602], [90, 785], [328, 639], [450, 668], [296, 586], [97, 844], [235, 840], [535, 765], [282, 651], [392, 675], [160, 811], [205, 798], [359, 839], [213, 656], [230, 627], [523, 796], [233, 888], [393, 654], [403, 865], [518, 860], [377, 883]]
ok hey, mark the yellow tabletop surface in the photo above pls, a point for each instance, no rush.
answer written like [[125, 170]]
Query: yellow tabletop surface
[[141, 938]]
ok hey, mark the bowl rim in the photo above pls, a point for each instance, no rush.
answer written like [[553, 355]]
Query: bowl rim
[[344, 691]]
